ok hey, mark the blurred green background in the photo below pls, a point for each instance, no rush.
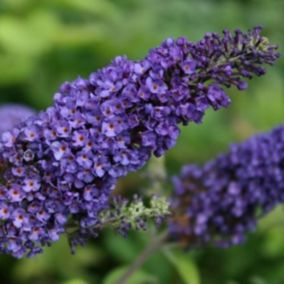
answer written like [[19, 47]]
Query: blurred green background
[[45, 42]]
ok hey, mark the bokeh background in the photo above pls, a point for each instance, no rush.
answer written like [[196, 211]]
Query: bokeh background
[[46, 42]]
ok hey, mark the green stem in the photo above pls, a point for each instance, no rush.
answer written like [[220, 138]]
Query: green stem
[[152, 247]]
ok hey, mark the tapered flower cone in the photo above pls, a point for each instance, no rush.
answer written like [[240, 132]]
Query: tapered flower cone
[[65, 162]]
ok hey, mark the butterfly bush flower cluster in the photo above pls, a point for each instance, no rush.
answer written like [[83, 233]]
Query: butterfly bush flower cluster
[[59, 168], [222, 201], [12, 114]]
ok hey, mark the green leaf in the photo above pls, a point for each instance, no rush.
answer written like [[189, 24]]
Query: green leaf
[[21, 37], [96, 7], [139, 277], [257, 280], [184, 265], [14, 73], [75, 281]]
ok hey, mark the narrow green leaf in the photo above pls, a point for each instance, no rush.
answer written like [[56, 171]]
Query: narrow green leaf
[[184, 265], [75, 281], [139, 277]]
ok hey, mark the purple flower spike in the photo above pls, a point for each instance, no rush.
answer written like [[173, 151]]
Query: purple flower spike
[[221, 202], [108, 125]]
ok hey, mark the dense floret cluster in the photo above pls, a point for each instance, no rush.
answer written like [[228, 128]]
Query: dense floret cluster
[[12, 114], [59, 169], [222, 201]]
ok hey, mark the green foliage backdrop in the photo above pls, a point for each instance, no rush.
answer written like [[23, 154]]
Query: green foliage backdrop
[[45, 42]]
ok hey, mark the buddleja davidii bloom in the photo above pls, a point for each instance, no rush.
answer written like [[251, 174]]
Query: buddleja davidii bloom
[[12, 114], [221, 202], [68, 158]]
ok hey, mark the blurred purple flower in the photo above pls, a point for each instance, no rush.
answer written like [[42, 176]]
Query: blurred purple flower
[[12, 114], [221, 202]]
